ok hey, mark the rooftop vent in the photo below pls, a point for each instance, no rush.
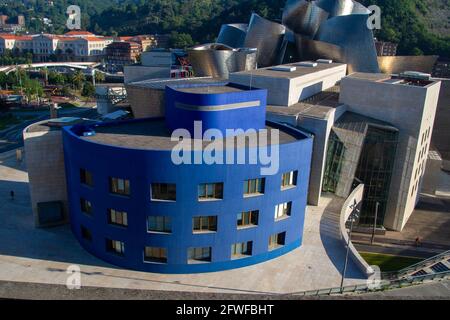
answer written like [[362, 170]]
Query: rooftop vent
[[63, 121], [309, 64], [415, 75], [283, 68], [326, 61]]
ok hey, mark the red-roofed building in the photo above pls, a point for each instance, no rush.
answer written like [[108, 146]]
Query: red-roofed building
[[122, 53]]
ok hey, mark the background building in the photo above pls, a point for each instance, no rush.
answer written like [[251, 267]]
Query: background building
[[385, 48], [373, 129], [122, 53]]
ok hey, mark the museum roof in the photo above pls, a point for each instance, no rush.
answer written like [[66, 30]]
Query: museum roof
[[298, 72], [317, 106], [152, 134]]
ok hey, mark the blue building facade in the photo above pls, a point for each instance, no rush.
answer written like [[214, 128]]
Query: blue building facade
[[236, 106], [134, 208]]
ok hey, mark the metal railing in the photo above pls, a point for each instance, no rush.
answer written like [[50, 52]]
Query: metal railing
[[416, 267], [382, 286]]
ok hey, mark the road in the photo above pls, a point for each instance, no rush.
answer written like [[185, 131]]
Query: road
[[11, 138]]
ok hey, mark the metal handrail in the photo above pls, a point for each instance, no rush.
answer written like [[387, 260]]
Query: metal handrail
[[417, 266], [384, 285]]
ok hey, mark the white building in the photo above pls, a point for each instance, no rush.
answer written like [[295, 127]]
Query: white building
[[74, 45]]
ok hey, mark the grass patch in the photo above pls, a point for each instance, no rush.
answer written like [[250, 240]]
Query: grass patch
[[8, 120], [388, 262], [68, 105]]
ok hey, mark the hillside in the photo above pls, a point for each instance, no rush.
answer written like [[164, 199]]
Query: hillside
[[420, 26], [437, 18]]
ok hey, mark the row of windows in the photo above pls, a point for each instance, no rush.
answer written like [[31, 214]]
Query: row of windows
[[163, 224], [195, 255], [206, 191]]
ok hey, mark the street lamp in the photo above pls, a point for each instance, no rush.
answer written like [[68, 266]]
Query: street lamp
[[353, 217]]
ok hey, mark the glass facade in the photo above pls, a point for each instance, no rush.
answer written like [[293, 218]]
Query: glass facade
[[335, 157], [375, 170], [349, 163]]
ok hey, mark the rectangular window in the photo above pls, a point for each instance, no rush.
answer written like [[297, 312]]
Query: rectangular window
[[289, 179], [119, 186], [86, 234], [117, 217], [155, 254], [254, 187], [240, 250], [277, 240], [86, 177], [164, 191], [159, 224], [116, 247], [283, 210], [86, 206], [210, 191], [204, 224], [247, 219], [196, 255]]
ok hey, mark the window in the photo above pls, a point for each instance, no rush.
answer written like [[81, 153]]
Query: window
[[116, 247], [86, 234], [86, 177], [117, 217], [247, 219], [159, 224], [196, 255], [155, 254], [86, 206], [289, 179], [240, 250], [119, 186], [283, 210], [204, 224], [164, 191], [277, 240], [254, 187], [208, 191]]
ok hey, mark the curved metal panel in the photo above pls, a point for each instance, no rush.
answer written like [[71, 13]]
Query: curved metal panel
[[218, 60], [233, 35], [303, 17], [352, 35], [267, 37], [308, 49], [399, 64], [337, 7]]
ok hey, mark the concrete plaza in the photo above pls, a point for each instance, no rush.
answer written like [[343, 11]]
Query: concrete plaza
[[42, 256]]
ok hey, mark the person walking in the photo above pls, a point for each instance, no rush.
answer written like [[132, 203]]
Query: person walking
[[417, 242]]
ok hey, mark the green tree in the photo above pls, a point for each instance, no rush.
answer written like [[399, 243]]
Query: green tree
[[77, 79], [99, 77], [180, 40], [56, 78], [88, 89]]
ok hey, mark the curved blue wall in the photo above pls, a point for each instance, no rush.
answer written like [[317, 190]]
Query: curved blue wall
[[250, 115], [142, 167]]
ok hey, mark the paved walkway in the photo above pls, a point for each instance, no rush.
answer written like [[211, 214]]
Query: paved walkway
[[35, 255], [430, 221]]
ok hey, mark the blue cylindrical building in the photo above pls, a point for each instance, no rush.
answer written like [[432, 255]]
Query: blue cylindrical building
[[132, 206]]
